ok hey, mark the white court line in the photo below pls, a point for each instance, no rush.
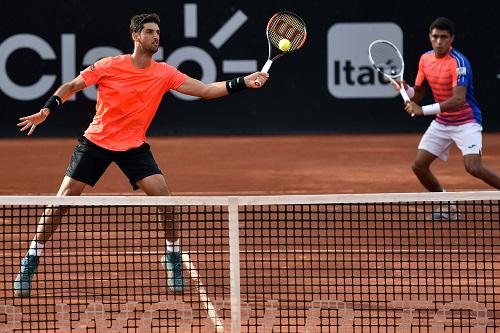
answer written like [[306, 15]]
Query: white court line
[[205, 299]]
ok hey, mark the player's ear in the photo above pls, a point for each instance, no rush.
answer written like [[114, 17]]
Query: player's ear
[[135, 36]]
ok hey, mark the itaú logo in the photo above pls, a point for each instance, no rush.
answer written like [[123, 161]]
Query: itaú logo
[[69, 68], [349, 72]]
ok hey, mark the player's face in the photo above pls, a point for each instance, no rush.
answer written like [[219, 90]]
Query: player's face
[[149, 38], [441, 42]]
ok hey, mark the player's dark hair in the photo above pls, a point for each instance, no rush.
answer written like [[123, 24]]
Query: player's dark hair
[[443, 23], [137, 22]]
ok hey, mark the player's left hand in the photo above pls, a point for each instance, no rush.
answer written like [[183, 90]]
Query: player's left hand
[[413, 109], [397, 85], [33, 120], [256, 77]]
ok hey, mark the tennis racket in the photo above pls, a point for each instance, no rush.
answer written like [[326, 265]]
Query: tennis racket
[[283, 25], [386, 58]]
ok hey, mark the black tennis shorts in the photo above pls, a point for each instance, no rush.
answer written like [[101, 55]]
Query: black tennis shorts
[[89, 161]]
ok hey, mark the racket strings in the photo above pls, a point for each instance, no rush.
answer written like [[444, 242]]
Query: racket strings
[[386, 59], [287, 26]]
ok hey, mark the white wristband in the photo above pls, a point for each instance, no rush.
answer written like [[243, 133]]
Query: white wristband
[[410, 91], [431, 109]]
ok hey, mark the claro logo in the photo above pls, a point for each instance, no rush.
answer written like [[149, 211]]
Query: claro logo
[[69, 67], [350, 74]]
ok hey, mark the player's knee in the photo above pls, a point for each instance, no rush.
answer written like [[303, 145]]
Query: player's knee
[[474, 169], [419, 167]]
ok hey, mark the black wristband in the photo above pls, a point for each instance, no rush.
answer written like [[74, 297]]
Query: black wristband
[[236, 85], [53, 103]]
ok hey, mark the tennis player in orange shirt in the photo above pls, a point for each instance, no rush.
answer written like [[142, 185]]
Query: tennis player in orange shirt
[[458, 120], [130, 89]]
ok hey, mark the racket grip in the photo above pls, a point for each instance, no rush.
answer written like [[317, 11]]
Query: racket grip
[[264, 69], [267, 65], [405, 96], [403, 93]]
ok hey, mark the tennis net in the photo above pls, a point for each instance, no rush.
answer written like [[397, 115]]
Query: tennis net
[[412, 262]]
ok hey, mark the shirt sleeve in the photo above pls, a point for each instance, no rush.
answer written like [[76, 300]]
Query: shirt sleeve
[[419, 80], [174, 77], [461, 73], [92, 74]]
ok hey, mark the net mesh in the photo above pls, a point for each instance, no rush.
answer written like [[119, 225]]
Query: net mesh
[[372, 267], [102, 270], [387, 263]]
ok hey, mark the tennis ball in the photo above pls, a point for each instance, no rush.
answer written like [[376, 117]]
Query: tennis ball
[[284, 45]]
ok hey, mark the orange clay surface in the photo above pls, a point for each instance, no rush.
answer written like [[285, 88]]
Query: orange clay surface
[[251, 165]]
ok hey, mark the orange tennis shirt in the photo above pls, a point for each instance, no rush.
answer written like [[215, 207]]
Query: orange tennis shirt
[[127, 99], [442, 75]]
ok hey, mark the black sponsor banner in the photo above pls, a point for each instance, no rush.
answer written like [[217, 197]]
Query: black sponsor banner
[[326, 87]]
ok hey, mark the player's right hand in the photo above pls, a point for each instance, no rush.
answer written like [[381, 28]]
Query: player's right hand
[[32, 121], [256, 80], [413, 109]]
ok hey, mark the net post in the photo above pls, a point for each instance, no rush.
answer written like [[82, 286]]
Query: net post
[[234, 258]]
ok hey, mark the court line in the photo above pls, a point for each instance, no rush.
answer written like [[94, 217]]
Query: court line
[[205, 299]]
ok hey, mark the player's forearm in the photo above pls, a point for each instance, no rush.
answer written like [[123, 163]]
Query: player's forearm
[[214, 90], [452, 104], [456, 101], [66, 90], [194, 87], [197, 88], [224, 88], [418, 95]]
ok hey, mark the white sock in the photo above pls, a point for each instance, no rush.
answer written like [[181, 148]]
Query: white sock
[[173, 246], [36, 249]]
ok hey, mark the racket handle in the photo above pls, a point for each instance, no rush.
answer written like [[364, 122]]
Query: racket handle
[[264, 69], [403, 93], [267, 65], [405, 96]]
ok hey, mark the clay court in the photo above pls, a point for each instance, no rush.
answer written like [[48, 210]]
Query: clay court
[[252, 165], [240, 165]]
